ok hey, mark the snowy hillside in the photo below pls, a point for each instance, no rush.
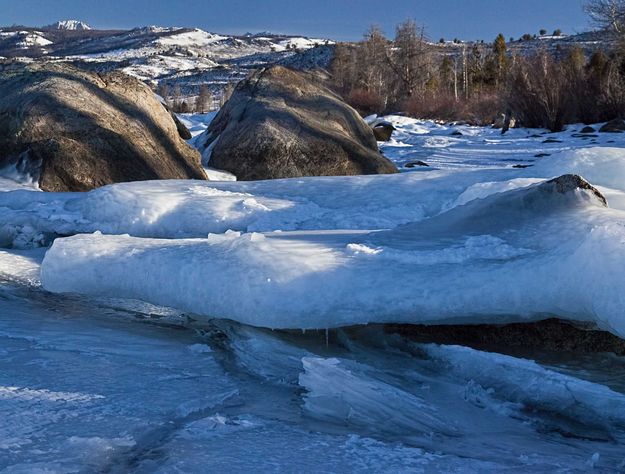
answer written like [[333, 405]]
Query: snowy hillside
[[25, 40], [133, 316], [187, 57]]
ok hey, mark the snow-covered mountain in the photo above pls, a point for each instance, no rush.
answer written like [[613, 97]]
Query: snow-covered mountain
[[70, 25], [185, 57]]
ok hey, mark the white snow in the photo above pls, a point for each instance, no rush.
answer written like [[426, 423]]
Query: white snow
[[302, 43], [28, 39], [196, 38]]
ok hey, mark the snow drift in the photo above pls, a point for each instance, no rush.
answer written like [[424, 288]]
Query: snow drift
[[193, 209], [548, 249]]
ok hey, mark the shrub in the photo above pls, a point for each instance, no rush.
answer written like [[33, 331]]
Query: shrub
[[439, 107], [365, 102], [478, 110]]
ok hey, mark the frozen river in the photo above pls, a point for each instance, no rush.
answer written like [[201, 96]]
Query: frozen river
[[94, 384]]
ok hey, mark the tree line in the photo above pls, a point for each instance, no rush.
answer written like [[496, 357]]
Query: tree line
[[202, 102], [479, 81]]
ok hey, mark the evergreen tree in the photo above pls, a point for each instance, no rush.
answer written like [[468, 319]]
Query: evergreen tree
[[501, 59], [446, 73]]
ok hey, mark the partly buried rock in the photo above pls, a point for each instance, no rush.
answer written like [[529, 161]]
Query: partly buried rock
[[74, 130], [280, 123], [550, 334], [414, 164], [383, 131], [614, 126], [587, 129], [505, 122], [572, 182]]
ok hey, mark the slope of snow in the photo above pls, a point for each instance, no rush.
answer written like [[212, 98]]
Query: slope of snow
[[302, 43], [29, 39], [196, 39], [189, 57]]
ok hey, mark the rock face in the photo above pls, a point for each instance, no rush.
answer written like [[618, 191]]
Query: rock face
[[74, 130], [614, 126], [280, 123]]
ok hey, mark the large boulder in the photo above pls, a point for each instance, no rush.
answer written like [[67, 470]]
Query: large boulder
[[383, 131], [614, 126], [74, 130], [281, 123]]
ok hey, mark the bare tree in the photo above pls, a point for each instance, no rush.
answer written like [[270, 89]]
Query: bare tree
[[540, 93], [409, 57], [343, 67], [204, 100], [608, 14], [163, 91], [176, 98], [227, 93], [374, 75]]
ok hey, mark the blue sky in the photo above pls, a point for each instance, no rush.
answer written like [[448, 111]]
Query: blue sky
[[338, 19]]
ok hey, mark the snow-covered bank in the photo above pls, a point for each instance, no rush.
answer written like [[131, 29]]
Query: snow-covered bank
[[516, 255], [191, 209]]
